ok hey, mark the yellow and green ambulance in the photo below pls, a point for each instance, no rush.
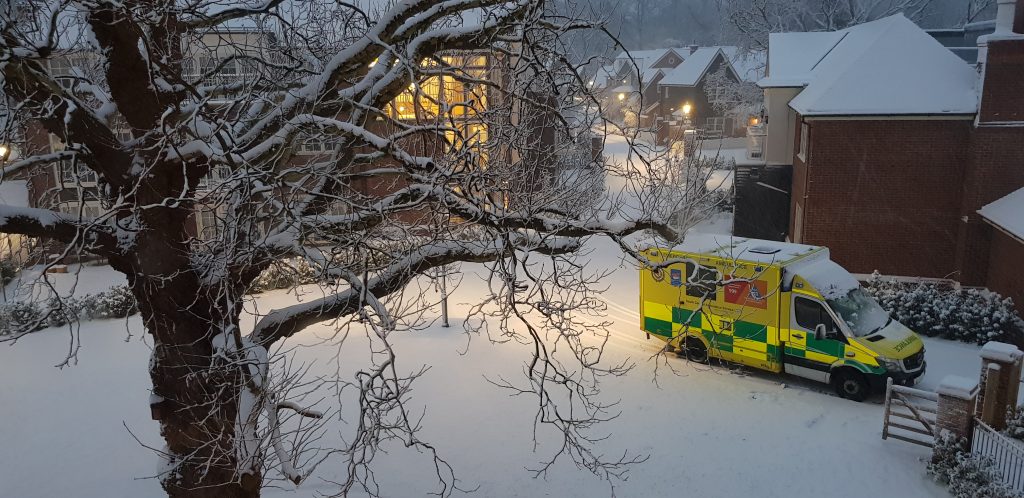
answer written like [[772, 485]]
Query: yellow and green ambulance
[[775, 306]]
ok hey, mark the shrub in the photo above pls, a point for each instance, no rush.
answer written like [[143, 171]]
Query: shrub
[[1015, 423], [285, 274], [967, 475], [20, 317], [118, 302], [940, 310], [17, 317], [8, 270]]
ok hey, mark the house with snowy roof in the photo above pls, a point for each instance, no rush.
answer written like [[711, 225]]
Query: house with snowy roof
[[904, 157], [689, 97], [631, 79]]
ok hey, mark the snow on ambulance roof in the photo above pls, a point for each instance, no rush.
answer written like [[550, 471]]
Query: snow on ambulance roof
[[743, 249], [1007, 213], [884, 67], [827, 277]]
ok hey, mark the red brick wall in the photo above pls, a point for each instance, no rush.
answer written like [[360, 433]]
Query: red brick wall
[[1005, 273], [996, 169], [1002, 98], [885, 194]]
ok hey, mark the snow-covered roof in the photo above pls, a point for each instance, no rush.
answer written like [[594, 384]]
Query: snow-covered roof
[[14, 193], [1007, 213], [791, 56], [747, 66], [651, 56], [693, 68], [884, 67]]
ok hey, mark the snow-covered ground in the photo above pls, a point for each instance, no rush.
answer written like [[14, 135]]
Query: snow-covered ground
[[709, 431], [85, 430]]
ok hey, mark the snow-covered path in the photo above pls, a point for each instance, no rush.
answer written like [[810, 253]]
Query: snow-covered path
[[709, 432]]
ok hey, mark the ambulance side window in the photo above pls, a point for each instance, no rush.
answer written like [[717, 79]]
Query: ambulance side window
[[703, 283], [810, 313]]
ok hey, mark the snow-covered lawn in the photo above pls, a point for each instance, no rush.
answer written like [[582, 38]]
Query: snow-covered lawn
[[710, 432]]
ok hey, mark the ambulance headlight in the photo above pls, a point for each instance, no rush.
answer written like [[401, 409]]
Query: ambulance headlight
[[889, 364]]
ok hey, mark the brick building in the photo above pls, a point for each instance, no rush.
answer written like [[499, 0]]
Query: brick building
[[896, 143], [66, 186]]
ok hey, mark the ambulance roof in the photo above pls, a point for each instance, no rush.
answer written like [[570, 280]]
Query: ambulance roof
[[748, 250]]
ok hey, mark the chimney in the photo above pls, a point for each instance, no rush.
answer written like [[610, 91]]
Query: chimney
[[693, 48], [1018, 19], [1005, 16]]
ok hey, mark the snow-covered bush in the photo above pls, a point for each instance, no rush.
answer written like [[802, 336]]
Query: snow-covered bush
[[967, 475], [20, 317], [8, 270], [118, 302], [940, 310], [1015, 423], [17, 317], [285, 274]]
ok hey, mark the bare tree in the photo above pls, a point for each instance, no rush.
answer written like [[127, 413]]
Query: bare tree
[[753, 20], [373, 145]]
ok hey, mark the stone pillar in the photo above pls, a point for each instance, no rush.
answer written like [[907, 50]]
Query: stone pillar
[[957, 396], [999, 382]]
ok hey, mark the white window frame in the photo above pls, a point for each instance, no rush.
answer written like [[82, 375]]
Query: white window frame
[[715, 123], [805, 133], [89, 209]]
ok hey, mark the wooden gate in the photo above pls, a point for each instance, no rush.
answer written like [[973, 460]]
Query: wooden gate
[[910, 414]]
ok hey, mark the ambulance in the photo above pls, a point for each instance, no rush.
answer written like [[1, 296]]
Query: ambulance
[[778, 307]]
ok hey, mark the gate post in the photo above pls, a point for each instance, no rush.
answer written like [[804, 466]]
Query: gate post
[[957, 396], [999, 382]]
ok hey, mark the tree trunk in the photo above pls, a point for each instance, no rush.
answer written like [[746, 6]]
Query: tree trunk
[[201, 381]]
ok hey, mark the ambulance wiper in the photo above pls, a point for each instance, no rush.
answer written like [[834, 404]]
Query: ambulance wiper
[[887, 322]]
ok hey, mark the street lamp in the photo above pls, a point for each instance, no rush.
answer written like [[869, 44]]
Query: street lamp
[[622, 96], [686, 109]]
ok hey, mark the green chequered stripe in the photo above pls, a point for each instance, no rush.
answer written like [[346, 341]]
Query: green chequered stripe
[[655, 326], [738, 340], [750, 331], [682, 316], [721, 342]]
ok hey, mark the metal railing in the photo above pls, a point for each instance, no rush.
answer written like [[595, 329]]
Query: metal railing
[[1007, 454]]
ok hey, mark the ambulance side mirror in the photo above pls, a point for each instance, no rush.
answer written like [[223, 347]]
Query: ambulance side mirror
[[820, 332]]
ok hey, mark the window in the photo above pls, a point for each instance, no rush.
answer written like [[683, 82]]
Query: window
[[719, 94], [87, 210], [809, 314], [216, 176], [309, 145], [62, 71], [804, 135], [701, 283], [209, 223], [73, 173], [716, 124]]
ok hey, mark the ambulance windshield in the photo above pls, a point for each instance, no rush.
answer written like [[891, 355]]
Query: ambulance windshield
[[860, 312]]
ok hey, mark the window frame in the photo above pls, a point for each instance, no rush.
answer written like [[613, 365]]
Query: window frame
[[805, 133]]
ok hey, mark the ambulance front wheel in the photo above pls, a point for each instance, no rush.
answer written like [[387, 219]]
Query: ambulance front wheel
[[696, 351], [851, 385]]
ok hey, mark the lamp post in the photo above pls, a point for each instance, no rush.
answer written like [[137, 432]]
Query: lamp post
[[687, 109]]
